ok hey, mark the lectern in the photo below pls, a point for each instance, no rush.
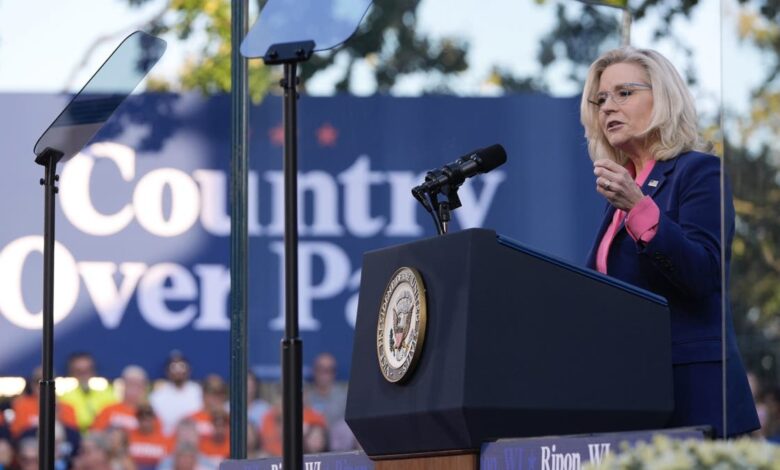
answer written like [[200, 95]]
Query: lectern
[[515, 343]]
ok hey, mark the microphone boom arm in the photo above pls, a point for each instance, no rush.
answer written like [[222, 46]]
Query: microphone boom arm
[[446, 181]]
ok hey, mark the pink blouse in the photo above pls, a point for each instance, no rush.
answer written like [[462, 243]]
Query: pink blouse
[[641, 222]]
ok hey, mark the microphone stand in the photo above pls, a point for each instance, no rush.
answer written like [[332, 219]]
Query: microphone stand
[[447, 180], [48, 158], [440, 210]]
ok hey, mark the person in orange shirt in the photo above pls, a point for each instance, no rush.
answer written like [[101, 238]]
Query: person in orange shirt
[[271, 429], [216, 447], [123, 414], [214, 400], [148, 445], [26, 408]]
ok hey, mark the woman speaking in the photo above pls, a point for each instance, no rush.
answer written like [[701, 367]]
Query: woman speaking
[[662, 226]]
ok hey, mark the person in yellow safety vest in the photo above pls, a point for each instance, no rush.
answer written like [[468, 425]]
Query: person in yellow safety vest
[[87, 401]]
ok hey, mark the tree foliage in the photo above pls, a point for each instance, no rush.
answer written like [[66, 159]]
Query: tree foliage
[[753, 161], [388, 41], [577, 39], [208, 21]]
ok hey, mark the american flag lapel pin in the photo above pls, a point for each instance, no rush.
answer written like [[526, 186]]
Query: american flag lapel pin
[[653, 183]]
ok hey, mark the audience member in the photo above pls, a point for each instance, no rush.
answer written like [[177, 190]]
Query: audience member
[[5, 430], [214, 400], [6, 453], [6, 449], [329, 398], [118, 444], [27, 454], [340, 437], [26, 407], [326, 396], [771, 427], [186, 432], [93, 454], [757, 390], [86, 401], [148, 445], [271, 429], [216, 445], [178, 396], [315, 438], [257, 407], [186, 457], [186, 440], [253, 447], [67, 442], [123, 414]]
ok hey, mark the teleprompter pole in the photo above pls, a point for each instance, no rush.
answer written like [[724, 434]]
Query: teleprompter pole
[[292, 347], [239, 246], [289, 55], [48, 159]]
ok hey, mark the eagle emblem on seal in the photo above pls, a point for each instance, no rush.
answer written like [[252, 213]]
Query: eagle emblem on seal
[[401, 325]]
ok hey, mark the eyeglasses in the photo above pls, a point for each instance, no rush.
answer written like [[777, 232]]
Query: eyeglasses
[[620, 95]]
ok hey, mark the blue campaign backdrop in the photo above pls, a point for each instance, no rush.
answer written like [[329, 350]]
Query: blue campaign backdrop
[[143, 216]]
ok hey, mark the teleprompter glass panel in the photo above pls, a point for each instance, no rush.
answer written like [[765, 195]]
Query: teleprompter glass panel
[[102, 94], [326, 22]]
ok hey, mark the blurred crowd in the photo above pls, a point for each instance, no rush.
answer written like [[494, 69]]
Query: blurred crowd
[[175, 423], [180, 424], [767, 400]]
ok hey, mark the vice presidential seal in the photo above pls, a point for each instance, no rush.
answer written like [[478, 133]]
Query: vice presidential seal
[[400, 332]]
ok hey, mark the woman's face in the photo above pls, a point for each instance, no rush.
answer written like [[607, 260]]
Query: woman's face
[[622, 124]]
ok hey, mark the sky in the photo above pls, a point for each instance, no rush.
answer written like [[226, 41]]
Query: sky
[[54, 61]]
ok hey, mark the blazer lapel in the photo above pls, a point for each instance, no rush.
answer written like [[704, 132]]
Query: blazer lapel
[[658, 176]]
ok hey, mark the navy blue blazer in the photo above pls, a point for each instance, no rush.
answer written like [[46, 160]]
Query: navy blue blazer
[[683, 263]]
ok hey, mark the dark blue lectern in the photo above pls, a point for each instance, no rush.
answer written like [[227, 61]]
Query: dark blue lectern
[[517, 344]]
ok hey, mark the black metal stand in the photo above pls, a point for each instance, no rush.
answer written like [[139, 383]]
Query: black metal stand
[[446, 181], [48, 158], [292, 346], [440, 210], [290, 54]]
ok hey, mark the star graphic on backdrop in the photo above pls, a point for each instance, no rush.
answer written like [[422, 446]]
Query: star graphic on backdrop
[[276, 134], [327, 135]]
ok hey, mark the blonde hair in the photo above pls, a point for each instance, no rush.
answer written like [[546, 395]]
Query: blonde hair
[[673, 123]]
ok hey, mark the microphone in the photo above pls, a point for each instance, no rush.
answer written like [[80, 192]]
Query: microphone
[[455, 173]]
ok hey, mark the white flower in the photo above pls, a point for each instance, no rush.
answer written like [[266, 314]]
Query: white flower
[[664, 453]]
